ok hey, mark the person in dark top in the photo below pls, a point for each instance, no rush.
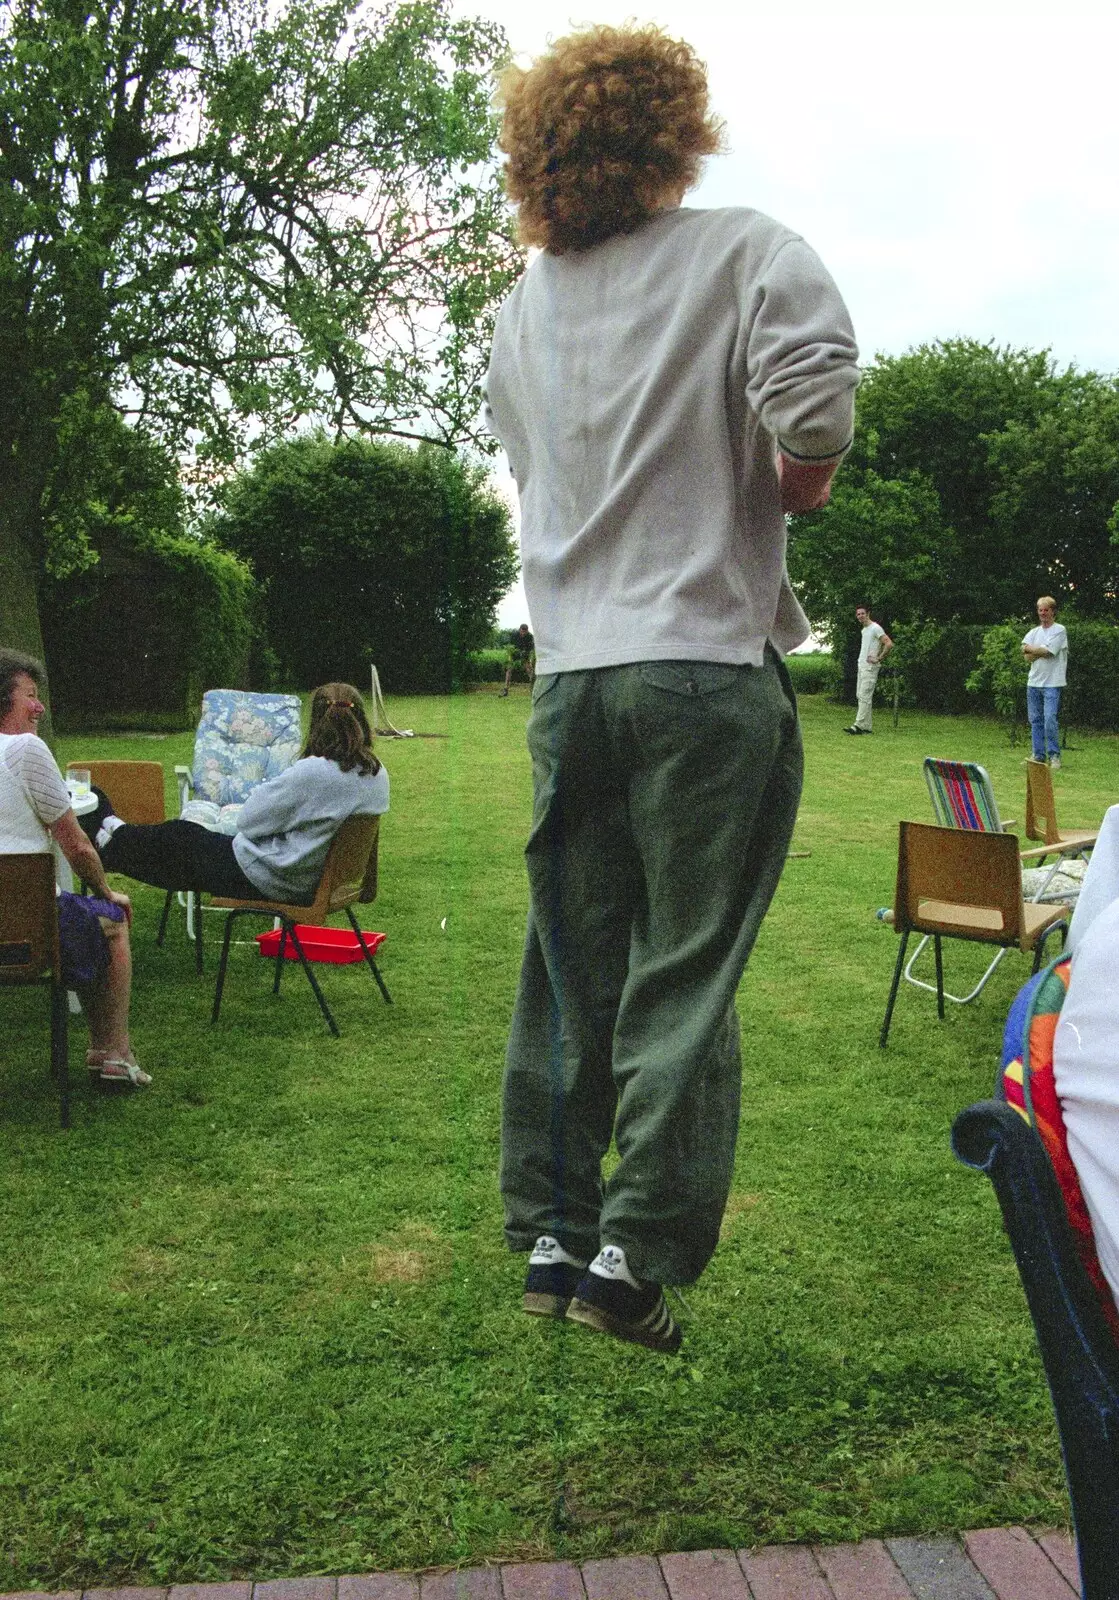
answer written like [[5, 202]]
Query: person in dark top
[[522, 652]]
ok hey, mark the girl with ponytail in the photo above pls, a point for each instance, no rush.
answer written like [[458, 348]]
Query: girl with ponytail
[[285, 826], [340, 729]]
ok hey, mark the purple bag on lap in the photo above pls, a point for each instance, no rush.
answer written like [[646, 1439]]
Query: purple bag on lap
[[85, 950]]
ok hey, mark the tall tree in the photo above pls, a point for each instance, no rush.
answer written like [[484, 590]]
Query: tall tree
[[979, 478], [371, 552], [220, 216]]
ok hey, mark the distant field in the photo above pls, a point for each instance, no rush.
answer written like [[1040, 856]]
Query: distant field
[[260, 1320]]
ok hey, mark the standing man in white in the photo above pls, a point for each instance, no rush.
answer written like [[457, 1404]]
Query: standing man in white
[[1046, 649], [874, 647], [668, 383]]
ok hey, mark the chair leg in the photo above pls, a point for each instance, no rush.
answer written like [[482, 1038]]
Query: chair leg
[[1039, 947], [278, 974], [882, 1037], [60, 1053], [198, 919], [163, 919], [368, 954], [939, 976], [314, 982], [956, 999], [222, 964]]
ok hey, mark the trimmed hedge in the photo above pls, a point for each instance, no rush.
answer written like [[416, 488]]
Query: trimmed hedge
[[966, 667], [369, 550], [1091, 698], [815, 673], [133, 641], [485, 666]]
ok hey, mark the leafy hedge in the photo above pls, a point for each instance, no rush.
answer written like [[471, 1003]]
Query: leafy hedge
[[817, 673], [485, 666], [965, 667], [1091, 698], [132, 641], [371, 551], [934, 661]]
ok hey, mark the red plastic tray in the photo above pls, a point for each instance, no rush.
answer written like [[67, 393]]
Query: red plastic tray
[[335, 945]]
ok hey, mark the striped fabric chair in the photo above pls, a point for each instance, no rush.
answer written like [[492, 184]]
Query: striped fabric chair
[[962, 797]]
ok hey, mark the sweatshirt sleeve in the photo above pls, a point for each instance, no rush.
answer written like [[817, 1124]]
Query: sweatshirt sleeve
[[802, 357], [274, 806]]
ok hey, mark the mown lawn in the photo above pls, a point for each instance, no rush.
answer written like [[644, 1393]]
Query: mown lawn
[[260, 1320]]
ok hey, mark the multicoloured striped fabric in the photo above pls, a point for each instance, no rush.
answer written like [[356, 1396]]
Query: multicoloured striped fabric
[[961, 795], [1029, 1086]]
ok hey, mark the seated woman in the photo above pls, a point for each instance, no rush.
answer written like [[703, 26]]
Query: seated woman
[[1061, 1068], [1086, 1046], [285, 826], [93, 933]]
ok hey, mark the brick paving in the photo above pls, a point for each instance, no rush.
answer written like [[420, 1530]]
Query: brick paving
[[988, 1564]]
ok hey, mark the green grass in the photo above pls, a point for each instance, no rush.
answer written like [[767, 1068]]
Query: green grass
[[260, 1319]]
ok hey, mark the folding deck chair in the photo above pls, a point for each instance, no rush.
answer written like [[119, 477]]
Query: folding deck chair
[[962, 797]]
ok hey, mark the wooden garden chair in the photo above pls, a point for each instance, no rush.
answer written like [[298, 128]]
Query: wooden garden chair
[[349, 874], [136, 790], [1041, 817], [963, 797], [29, 950], [954, 883], [134, 787]]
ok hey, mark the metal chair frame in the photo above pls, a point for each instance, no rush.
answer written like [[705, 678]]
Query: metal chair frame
[[349, 874], [1041, 818]]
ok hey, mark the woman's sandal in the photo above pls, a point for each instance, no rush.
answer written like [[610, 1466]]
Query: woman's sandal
[[114, 1069]]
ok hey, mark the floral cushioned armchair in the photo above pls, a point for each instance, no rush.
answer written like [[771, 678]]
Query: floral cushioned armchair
[[242, 740]]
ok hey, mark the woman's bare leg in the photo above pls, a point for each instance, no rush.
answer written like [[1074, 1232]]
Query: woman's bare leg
[[106, 1003]]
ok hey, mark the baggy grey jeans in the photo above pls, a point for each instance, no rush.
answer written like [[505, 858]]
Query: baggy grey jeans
[[664, 799], [864, 693]]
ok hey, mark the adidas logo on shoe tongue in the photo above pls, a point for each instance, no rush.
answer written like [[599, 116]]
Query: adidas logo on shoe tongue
[[548, 1252], [610, 1262]]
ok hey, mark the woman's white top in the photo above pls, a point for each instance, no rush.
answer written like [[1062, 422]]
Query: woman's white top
[[33, 794]]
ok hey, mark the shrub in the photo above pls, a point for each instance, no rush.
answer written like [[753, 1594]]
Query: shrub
[[369, 551], [485, 666], [934, 661], [1091, 699], [999, 676], [817, 673], [132, 641]]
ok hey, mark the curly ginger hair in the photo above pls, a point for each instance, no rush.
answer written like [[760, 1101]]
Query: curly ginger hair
[[601, 132]]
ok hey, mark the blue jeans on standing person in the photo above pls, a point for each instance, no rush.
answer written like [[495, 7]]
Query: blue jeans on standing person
[[1041, 708]]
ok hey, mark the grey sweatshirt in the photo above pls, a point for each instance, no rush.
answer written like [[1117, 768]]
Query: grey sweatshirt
[[286, 825], [640, 389]]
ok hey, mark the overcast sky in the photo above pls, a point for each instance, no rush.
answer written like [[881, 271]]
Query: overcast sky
[[956, 165]]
